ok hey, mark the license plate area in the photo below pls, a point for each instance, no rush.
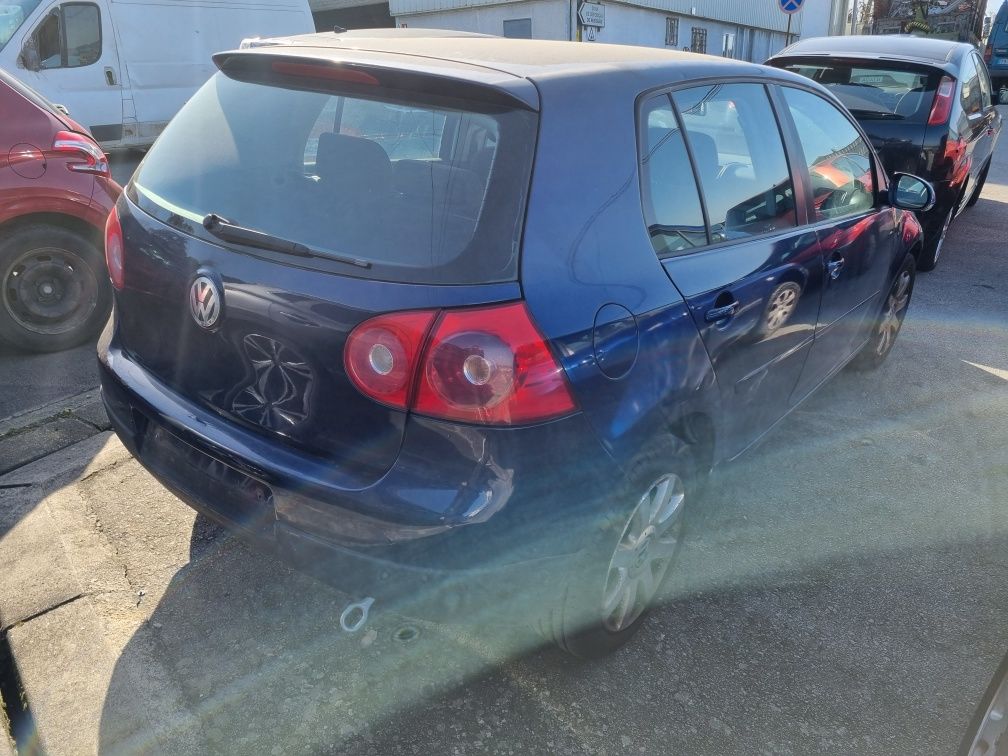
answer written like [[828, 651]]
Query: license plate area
[[207, 483]]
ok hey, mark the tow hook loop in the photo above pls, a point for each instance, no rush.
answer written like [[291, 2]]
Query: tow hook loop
[[355, 615]]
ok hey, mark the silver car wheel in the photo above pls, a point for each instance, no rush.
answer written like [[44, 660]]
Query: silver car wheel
[[892, 317], [644, 553]]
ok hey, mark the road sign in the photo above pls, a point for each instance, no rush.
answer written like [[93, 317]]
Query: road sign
[[790, 6], [592, 14]]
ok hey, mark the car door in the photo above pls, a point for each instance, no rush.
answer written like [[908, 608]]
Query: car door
[[746, 265], [857, 233], [975, 121], [70, 56]]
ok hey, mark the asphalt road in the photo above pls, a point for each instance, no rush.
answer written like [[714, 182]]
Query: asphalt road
[[29, 381], [843, 589]]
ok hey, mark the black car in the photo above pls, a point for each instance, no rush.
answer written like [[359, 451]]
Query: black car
[[927, 106]]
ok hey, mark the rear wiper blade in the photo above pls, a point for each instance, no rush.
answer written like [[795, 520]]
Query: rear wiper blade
[[228, 231], [881, 115]]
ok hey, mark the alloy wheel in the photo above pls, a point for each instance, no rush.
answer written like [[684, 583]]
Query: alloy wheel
[[644, 553], [895, 311], [781, 307]]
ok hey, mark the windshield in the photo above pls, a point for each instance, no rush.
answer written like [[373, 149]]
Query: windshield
[[419, 193], [12, 16], [874, 92]]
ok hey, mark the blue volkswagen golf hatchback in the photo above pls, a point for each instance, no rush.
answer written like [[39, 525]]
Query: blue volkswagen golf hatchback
[[458, 321]]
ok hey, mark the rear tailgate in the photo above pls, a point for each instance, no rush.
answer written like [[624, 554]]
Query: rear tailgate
[[426, 192]]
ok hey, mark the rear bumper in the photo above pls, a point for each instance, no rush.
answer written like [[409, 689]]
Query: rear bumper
[[466, 519]]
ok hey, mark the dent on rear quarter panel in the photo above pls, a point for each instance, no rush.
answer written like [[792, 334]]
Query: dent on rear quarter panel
[[586, 247]]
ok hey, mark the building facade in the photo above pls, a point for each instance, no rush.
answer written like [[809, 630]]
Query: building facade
[[750, 30]]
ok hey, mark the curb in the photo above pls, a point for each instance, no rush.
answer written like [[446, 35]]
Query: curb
[[33, 435]]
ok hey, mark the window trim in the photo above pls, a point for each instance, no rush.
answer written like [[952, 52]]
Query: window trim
[[800, 181]]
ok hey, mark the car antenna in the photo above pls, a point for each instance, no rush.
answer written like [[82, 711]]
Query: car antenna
[[339, 29]]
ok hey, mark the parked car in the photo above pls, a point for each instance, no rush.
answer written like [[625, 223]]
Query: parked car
[[124, 69], [996, 55], [927, 106], [496, 367], [55, 194]]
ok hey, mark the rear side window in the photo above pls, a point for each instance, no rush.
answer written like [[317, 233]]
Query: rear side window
[[739, 155], [421, 192], [838, 159], [671, 201], [875, 92]]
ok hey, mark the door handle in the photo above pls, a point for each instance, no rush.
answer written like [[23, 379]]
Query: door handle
[[110, 76], [834, 267], [715, 314]]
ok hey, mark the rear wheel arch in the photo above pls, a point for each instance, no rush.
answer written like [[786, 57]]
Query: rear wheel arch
[[69, 222]]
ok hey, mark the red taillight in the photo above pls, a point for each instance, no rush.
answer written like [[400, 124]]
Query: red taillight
[[942, 102], [114, 250], [318, 71], [487, 365], [490, 365], [92, 159], [381, 355]]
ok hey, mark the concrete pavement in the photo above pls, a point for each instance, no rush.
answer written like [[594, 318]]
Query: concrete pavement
[[843, 590]]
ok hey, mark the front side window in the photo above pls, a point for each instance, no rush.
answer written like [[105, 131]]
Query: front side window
[[838, 159], [69, 37], [985, 83], [736, 144], [970, 96], [671, 201]]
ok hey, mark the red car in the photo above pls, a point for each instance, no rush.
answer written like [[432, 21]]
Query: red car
[[55, 194]]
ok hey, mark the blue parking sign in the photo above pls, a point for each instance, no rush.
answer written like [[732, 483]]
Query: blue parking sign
[[790, 6]]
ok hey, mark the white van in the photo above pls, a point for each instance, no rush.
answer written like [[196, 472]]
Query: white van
[[123, 68]]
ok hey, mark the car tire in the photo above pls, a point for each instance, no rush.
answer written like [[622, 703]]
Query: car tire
[[890, 320], [662, 481], [928, 259], [54, 289], [979, 186]]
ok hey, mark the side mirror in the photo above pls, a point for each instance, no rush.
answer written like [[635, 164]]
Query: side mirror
[[909, 192], [29, 57]]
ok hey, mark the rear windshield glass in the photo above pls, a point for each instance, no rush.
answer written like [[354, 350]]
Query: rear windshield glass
[[875, 92], [422, 193]]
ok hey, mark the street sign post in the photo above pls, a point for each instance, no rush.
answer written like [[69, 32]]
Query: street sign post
[[790, 7]]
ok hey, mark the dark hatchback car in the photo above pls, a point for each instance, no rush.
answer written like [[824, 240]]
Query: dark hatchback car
[[926, 104], [387, 305]]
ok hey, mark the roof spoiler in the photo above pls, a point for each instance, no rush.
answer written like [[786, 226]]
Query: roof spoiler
[[282, 66]]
